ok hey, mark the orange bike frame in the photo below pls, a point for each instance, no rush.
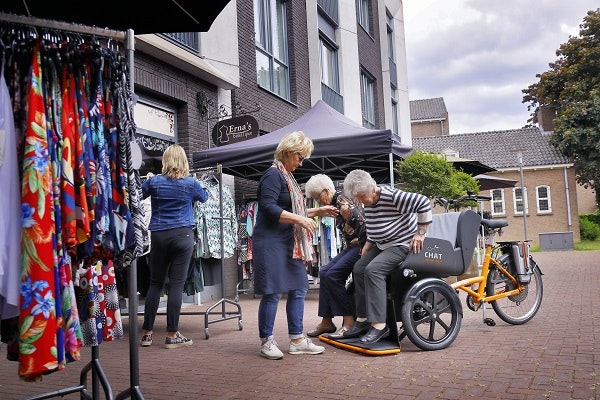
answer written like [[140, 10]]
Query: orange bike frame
[[479, 295]]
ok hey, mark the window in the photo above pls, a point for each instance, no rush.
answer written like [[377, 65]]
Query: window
[[364, 14], [391, 51], [544, 205], [520, 201], [270, 34], [329, 65], [367, 90], [395, 128], [498, 206]]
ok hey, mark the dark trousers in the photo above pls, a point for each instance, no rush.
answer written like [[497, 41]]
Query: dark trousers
[[369, 274], [334, 300], [169, 258]]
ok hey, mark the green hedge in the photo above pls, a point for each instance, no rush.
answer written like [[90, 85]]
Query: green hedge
[[589, 226]]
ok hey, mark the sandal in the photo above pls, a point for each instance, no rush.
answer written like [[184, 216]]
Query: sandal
[[178, 341], [319, 329], [339, 334], [146, 340]]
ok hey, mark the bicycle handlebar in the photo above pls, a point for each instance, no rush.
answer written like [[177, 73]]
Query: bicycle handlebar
[[469, 196]]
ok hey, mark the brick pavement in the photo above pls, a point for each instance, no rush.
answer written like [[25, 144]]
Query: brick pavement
[[554, 356]]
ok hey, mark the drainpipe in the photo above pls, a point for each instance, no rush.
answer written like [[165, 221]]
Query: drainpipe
[[569, 221]]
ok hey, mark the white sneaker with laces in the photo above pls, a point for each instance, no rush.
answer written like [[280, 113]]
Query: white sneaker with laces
[[306, 346], [270, 350]]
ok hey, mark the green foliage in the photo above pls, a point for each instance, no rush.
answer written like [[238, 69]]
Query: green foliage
[[572, 88], [433, 176], [588, 229]]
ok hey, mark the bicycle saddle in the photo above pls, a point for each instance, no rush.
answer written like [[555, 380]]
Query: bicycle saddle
[[494, 223]]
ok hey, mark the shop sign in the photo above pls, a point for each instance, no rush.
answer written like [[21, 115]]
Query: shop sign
[[234, 130]]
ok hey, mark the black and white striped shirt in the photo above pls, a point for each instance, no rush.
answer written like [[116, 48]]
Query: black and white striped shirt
[[392, 221]]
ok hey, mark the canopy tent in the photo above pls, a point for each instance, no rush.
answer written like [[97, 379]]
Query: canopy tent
[[489, 182], [162, 16], [341, 145]]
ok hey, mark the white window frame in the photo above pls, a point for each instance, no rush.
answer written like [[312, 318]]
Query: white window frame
[[330, 70], [363, 9], [496, 200], [539, 199], [367, 90], [271, 41], [523, 199]]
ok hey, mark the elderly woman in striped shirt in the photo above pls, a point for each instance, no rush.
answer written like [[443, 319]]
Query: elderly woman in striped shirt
[[397, 222]]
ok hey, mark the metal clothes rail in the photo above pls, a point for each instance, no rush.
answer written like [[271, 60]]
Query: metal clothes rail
[[224, 314], [98, 376]]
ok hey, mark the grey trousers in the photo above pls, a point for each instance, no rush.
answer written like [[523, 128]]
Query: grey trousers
[[369, 275]]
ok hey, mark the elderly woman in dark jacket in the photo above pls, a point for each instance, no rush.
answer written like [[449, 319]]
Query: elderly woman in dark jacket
[[334, 300]]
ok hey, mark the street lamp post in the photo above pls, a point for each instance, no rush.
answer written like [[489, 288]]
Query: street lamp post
[[520, 160]]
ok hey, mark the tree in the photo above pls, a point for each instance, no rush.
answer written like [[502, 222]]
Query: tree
[[433, 176], [572, 87]]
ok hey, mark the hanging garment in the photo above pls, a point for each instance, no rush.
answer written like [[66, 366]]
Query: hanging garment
[[208, 225], [38, 325], [10, 212]]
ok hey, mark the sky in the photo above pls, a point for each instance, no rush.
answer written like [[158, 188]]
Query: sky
[[480, 54]]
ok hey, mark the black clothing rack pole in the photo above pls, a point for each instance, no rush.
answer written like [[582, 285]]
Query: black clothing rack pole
[[225, 315], [97, 373]]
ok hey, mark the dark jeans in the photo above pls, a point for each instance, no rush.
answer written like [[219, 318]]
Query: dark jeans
[[334, 300], [369, 275], [170, 257]]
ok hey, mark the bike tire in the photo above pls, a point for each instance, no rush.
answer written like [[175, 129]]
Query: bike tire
[[520, 308], [431, 314]]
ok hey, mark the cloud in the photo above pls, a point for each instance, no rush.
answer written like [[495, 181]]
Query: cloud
[[479, 55]]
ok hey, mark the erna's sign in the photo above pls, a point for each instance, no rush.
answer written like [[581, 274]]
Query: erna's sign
[[234, 130]]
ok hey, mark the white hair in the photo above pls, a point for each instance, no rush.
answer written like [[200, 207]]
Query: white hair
[[316, 184], [358, 181]]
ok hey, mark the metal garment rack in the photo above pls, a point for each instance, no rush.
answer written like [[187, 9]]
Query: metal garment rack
[[98, 376], [224, 314]]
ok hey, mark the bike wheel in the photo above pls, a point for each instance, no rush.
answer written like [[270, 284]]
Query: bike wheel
[[519, 308], [431, 314]]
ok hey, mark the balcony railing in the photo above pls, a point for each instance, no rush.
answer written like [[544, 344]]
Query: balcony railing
[[187, 40], [333, 98]]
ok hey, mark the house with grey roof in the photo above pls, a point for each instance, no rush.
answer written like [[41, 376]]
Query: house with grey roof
[[547, 209], [429, 117]]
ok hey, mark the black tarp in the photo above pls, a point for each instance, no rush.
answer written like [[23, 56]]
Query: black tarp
[[341, 145]]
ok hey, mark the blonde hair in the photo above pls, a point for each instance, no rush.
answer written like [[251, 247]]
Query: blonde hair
[[175, 163], [295, 142], [316, 184]]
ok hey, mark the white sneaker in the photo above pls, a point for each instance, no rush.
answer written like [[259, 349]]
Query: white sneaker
[[270, 350], [306, 346]]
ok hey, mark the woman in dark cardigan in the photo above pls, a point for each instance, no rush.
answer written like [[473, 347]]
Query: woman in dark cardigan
[[282, 245]]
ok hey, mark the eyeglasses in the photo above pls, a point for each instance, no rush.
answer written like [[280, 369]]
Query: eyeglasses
[[301, 157]]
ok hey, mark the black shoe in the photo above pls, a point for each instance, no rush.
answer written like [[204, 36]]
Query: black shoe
[[357, 330], [375, 335]]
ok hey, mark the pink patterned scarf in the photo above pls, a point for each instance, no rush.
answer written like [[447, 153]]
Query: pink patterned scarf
[[302, 238]]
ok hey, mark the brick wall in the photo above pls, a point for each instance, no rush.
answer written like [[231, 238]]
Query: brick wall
[[369, 54], [557, 221], [275, 112]]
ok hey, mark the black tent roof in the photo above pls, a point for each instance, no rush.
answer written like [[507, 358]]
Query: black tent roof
[[341, 145]]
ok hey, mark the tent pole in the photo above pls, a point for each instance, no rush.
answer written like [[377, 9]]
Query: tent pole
[[391, 157]]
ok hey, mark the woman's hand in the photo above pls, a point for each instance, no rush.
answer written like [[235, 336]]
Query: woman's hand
[[308, 224], [416, 244], [328, 211]]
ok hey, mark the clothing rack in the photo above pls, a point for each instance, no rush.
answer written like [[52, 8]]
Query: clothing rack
[[98, 376], [224, 314]]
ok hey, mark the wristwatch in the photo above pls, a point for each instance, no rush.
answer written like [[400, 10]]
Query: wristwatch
[[421, 231]]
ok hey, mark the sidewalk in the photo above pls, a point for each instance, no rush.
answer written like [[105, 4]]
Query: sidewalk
[[554, 356]]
